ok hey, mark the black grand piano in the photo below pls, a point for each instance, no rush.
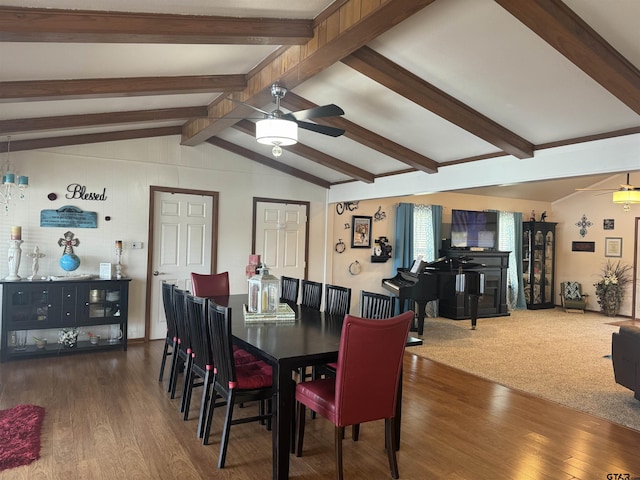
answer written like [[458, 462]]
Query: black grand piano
[[425, 282]]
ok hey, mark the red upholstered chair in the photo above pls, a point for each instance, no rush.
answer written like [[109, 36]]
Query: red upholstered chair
[[366, 384], [210, 285], [234, 383]]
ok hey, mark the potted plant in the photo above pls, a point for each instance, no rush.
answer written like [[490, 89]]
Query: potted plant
[[610, 288]]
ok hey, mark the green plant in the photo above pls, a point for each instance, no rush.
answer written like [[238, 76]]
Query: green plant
[[614, 278]]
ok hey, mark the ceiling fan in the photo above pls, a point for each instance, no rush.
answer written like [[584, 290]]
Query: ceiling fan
[[626, 195], [280, 129], [624, 187]]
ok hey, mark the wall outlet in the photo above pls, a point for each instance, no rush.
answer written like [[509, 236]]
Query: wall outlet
[[135, 245]]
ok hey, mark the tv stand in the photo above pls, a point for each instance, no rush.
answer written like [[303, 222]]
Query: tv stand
[[493, 303]]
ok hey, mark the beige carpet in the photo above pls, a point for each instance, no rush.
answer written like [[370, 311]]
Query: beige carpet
[[552, 354]]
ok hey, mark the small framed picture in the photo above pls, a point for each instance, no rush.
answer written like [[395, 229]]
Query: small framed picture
[[613, 247], [608, 223], [360, 232]]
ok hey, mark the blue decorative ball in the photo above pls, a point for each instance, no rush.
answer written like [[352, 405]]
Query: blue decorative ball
[[69, 262]]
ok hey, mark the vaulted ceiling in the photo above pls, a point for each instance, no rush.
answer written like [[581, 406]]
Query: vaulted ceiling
[[424, 84]]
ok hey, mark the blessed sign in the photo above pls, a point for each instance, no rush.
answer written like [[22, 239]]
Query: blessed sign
[[79, 192]]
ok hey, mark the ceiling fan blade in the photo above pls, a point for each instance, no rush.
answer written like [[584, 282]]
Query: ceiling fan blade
[[324, 129], [315, 112], [596, 189], [250, 106]]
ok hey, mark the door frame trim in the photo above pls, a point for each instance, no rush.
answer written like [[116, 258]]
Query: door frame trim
[[307, 206], [150, 245]]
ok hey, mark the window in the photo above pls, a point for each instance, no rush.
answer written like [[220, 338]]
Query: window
[[423, 243]]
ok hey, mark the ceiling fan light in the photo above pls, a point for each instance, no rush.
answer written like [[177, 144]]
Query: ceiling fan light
[[276, 131], [626, 196]]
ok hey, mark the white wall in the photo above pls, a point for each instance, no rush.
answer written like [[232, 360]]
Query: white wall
[[126, 169]]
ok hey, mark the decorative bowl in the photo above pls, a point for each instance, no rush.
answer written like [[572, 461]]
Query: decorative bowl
[[40, 342]]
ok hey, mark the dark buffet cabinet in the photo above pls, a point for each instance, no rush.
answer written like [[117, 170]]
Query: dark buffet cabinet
[[41, 309], [538, 263], [493, 302]]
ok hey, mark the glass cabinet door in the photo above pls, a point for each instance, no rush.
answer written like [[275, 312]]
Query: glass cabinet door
[[32, 307], [102, 302]]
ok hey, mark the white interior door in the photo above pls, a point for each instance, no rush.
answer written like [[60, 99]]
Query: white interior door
[[281, 237], [182, 236]]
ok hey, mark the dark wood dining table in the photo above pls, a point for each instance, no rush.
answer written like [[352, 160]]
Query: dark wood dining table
[[312, 339]]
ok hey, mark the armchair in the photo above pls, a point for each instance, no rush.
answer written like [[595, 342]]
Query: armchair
[[625, 353], [572, 298]]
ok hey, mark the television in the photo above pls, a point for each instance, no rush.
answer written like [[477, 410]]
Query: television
[[474, 229]]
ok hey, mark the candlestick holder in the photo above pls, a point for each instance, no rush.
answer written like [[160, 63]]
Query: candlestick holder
[[119, 272], [14, 255]]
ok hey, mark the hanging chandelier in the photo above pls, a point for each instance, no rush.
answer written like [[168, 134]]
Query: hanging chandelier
[[10, 181]]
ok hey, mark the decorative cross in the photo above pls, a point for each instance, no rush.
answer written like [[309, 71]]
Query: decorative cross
[[583, 224], [68, 242]]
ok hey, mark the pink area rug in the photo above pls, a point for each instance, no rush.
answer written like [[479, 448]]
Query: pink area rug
[[20, 435]]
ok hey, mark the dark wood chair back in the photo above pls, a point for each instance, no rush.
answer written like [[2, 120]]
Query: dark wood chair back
[[337, 300], [289, 287], [311, 294], [376, 305]]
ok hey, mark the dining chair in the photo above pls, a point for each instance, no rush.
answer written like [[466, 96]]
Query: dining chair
[[311, 295], [376, 305], [366, 384], [373, 306], [184, 340], [289, 287], [234, 383], [171, 340], [337, 300], [201, 372], [210, 285]]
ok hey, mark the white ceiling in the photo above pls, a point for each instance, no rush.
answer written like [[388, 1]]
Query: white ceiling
[[473, 50]]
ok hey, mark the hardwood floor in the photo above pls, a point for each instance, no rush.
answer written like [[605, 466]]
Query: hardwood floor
[[108, 417]]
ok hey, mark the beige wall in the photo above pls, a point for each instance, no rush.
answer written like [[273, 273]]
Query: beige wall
[[127, 169], [372, 274], [584, 267]]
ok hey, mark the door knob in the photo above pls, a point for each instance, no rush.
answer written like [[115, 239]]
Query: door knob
[[156, 273]]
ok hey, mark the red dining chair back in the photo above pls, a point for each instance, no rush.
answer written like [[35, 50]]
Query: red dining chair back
[[366, 384], [210, 285]]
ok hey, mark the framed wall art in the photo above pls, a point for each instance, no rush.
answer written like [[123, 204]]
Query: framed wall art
[[583, 246], [360, 231], [613, 247], [608, 224]]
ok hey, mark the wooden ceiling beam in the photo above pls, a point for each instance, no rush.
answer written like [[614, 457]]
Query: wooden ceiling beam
[[314, 155], [349, 27], [269, 162], [565, 31], [19, 24], [366, 137], [393, 76], [37, 143], [18, 125], [118, 87]]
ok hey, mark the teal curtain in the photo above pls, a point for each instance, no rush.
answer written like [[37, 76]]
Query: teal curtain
[[517, 233], [403, 247], [436, 218]]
